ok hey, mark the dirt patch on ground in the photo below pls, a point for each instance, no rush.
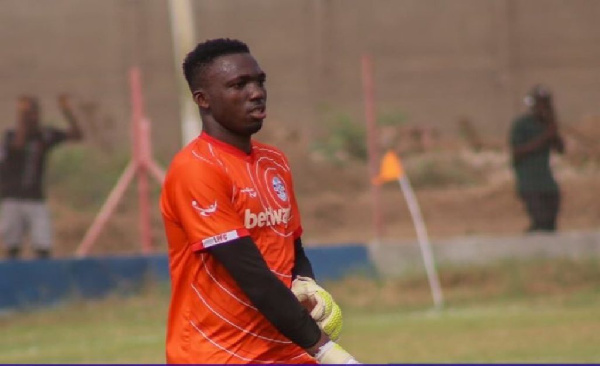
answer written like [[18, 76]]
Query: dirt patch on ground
[[492, 209]]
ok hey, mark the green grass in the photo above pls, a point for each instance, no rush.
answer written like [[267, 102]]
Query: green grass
[[519, 331], [550, 318], [115, 330]]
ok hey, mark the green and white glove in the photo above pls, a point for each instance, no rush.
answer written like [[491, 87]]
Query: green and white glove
[[332, 353], [325, 312]]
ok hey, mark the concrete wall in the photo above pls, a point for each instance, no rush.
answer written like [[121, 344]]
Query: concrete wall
[[435, 60], [394, 258]]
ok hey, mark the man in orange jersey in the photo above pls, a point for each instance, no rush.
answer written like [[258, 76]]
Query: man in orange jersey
[[233, 228]]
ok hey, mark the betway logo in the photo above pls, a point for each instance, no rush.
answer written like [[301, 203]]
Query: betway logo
[[269, 217]]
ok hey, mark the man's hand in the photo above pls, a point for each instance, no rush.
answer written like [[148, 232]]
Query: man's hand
[[321, 305], [554, 138], [551, 131], [64, 103]]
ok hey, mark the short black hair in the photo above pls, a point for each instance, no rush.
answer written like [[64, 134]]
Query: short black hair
[[205, 53]]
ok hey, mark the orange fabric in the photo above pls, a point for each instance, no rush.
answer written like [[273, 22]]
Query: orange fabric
[[390, 169], [213, 194]]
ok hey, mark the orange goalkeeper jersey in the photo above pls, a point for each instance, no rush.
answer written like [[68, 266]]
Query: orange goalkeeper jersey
[[215, 193]]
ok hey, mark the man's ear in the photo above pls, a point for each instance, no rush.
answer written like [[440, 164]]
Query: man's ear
[[201, 98]]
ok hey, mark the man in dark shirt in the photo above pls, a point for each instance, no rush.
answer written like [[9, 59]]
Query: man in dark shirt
[[23, 156], [532, 138]]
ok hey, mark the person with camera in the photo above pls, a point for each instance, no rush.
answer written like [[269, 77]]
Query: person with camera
[[533, 137]]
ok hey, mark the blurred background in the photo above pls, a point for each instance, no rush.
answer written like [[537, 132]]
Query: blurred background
[[449, 76]]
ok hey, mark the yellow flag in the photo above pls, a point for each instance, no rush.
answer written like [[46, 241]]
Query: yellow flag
[[390, 168]]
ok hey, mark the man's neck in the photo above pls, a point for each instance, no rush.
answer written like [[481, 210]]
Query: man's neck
[[242, 143]]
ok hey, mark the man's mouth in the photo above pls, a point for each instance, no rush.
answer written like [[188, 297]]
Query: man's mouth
[[259, 112]]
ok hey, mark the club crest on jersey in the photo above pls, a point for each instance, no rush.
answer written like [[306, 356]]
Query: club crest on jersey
[[279, 188]]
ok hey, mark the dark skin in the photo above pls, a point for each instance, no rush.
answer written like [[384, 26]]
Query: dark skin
[[28, 119], [232, 101], [543, 110]]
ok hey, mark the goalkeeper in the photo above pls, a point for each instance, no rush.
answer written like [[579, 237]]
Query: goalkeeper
[[238, 268]]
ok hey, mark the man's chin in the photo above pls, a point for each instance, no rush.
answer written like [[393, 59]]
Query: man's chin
[[254, 127]]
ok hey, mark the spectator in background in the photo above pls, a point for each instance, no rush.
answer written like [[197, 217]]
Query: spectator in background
[[23, 156], [533, 136]]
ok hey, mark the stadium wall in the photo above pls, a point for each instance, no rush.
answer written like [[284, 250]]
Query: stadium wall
[[394, 258], [26, 284], [435, 61], [33, 283]]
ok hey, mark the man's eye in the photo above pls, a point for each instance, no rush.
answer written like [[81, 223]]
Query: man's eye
[[239, 85]]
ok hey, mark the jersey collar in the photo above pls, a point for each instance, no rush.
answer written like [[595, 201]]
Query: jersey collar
[[228, 147]]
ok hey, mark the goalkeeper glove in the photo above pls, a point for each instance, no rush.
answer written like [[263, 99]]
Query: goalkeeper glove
[[325, 312], [333, 353]]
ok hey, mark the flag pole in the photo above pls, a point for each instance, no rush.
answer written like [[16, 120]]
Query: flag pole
[[140, 165], [423, 239], [183, 34], [391, 169], [372, 148]]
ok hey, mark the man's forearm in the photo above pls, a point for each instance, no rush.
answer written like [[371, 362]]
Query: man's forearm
[[268, 294], [558, 144], [520, 151], [74, 129], [302, 266]]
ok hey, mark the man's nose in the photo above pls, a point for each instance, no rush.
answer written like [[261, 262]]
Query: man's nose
[[257, 91]]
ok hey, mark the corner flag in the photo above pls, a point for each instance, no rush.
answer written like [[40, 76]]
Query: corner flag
[[391, 169]]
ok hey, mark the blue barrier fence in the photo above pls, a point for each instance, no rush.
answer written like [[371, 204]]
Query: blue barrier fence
[[32, 283]]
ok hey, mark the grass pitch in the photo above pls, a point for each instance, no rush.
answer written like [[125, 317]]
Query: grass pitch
[[541, 312]]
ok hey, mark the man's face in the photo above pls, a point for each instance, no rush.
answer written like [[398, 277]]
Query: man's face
[[233, 92], [29, 113], [542, 107]]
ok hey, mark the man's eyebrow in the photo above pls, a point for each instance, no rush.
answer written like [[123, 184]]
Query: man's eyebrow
[[259, 76]]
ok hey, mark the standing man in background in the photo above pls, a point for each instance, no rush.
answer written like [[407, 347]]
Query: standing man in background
[[23, 157], [533, 136], [242, 288]]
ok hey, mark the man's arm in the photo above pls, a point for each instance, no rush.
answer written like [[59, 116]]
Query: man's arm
[[556, 141], [74, 132], [272, 298], [302, 266], [276, 302], [558, 144], [18, 142], [547, 137]]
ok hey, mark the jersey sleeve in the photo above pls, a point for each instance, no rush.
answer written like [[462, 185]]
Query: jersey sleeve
[[200, 198]]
